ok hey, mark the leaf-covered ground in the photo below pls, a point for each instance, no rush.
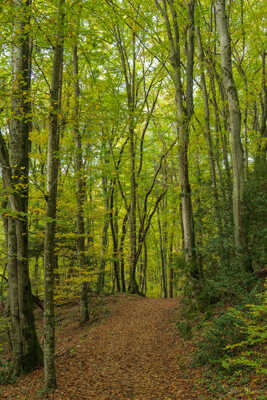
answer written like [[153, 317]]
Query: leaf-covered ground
[[132, 351]]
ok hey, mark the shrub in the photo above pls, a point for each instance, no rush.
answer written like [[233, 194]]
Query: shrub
[[6, 373], [250, 351], [224, 330], [184, 329], [235, 339]]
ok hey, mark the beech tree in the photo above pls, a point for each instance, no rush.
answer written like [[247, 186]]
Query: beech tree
[[158, 185], [235, 129], [184, 109], [27, 353], [51, 207]]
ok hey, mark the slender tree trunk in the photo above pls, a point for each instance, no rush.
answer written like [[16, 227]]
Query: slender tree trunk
[[218, 142], [130, 82], [235, 139], [133, 287], [51, 206], [209, 140], [84, 311], [184, 114], [101, 276], [224, 128], [162, 256], [121, 251], [145, 268], [4, 205], [79, 170], [114, 231], [170, 263], [36, 274]]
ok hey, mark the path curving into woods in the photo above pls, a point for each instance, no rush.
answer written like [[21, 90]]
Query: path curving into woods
[[132, 353]]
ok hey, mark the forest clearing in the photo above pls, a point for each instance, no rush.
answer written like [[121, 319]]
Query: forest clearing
[[133, 195]]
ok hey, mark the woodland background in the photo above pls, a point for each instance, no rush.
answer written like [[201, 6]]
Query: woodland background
[[133, 156]]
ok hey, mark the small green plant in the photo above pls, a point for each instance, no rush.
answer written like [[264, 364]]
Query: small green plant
[[7, 373], [217, 334], [184, 329], [233, 342], [41, 393], [249, 353]]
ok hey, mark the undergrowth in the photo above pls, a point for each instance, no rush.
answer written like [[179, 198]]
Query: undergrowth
[[6, 373], [230, 341]]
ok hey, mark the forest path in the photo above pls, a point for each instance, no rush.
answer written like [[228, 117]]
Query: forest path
[[132, 353]]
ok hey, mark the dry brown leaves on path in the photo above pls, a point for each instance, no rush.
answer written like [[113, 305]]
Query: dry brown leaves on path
[[132, 353]]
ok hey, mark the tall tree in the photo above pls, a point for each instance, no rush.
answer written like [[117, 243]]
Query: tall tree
[[235, 133], [27, 353], [79, 168], [51, 206], [184, 109]]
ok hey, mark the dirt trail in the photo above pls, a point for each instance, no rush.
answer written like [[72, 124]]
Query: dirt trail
[[132, 354]]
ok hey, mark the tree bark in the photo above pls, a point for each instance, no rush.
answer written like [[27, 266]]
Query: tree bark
[[79, 169], [27, 353], [102, 265], [51, 206], [84, 312], [184, 113], [121, 251], [162, 244], [235, 138], [208, 138], [114, 232]]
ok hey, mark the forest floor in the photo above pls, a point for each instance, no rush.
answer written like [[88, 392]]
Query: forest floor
[[130, 350]]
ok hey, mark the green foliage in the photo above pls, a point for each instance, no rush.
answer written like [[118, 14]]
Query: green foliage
[[221, 331], [184, 328], [6, 373], [42, 393], [235, 339], [250, 351], [256, 209]]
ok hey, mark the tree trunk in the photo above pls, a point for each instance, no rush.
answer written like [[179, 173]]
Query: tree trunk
[[235, 139], [130, 83], [27, 353], [84, 312], [121, 251], [162, 244], [15, 330], [79, 170], [209, 141], [133, 286], [171, 269], [51, 206], [143, 270], [184, 114], [225, 128], [114, 231], [101, 276]]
